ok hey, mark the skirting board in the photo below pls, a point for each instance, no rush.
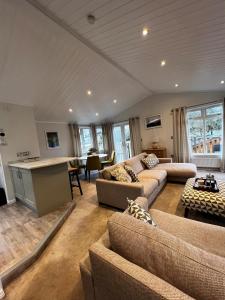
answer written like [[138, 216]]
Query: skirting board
[[13, 272]]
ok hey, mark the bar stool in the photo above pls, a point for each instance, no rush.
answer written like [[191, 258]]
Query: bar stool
[[74, 172]]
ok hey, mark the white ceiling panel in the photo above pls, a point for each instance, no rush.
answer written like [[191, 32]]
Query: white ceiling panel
[[188, 34]]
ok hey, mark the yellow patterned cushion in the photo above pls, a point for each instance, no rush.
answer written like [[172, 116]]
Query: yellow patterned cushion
[[120, 174]]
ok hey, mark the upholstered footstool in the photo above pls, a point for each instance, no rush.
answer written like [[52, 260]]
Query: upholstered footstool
[[202, 201]]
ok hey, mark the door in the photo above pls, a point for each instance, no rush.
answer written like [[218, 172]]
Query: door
[[121, 138]]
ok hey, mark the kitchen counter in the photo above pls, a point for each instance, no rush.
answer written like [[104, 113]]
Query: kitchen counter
[[42, 185], [43, 163]]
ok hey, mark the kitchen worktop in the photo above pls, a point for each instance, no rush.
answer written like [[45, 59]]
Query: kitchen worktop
[[42, 163]]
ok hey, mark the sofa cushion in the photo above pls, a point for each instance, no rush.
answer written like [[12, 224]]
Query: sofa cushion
[[150, 161], [132, 174], [186, 170], [106, 172], [205, 236], [135, 163], [120, 174], [139, 213], [159, 175], [149, 186], [190, 269]]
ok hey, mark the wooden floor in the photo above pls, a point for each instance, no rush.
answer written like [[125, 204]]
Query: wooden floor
[[21, 231]]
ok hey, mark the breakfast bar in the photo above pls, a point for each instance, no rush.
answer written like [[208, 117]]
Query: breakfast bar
[[42, 185]]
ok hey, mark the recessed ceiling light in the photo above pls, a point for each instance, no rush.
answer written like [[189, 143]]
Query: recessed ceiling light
[[97, 114], [163, 63], [115, 101], [145, 31], [176, 84], [222, 82], [89, 92], [70, 110]]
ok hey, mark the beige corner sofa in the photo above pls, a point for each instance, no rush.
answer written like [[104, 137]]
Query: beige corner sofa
[[178, 259], [115, 193]]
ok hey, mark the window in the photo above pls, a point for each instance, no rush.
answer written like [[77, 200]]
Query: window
[[205, 126], [99, 135], [85, 139]]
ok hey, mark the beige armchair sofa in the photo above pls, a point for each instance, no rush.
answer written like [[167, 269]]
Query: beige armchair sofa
[[114, 193], [179, 259]]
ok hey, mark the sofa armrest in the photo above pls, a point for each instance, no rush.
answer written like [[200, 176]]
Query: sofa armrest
[[87, 279], [117, 278], [115, 193], [165, 160]]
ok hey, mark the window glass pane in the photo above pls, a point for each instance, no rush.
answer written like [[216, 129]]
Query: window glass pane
[[213, 110], [85, 139], [100, 139], [194, 114], [214, 134], [196, 135]]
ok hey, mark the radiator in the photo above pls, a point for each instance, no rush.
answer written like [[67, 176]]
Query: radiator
[[206, 161]]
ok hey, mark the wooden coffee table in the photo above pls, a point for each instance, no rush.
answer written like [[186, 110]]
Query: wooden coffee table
[[207, 202]]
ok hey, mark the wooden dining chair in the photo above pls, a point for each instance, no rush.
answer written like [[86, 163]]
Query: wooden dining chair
[[93, 163], [110, 161]]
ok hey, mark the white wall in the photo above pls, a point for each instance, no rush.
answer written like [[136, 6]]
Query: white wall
[[21, 135], [65, 140], [162, 104]]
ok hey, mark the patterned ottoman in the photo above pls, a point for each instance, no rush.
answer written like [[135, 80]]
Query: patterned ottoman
[[208, 202]]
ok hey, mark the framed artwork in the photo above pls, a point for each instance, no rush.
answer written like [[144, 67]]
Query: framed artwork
[[52, 139], [153, 122]]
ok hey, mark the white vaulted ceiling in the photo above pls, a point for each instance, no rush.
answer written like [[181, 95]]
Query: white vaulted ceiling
[[43, 65], [50, 55], [188, 34]]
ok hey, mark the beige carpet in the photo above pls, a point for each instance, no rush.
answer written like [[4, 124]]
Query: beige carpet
[[55, 276]]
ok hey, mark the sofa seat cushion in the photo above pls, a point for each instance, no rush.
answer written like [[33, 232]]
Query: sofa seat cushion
[[135, 163], [192, 270], [186, 170], [149, 186], [159, 175]]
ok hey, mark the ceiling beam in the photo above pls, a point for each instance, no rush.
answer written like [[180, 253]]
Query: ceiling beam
[[84, 41]]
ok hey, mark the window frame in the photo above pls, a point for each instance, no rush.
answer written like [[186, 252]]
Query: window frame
[[205, 117]]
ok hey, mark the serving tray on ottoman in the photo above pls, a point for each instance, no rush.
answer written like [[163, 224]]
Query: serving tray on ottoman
[[204, 201]]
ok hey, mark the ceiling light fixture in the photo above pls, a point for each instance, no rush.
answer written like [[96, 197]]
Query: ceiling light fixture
[[176, 85], [91, 19], [163, 63], [89, 92], [145, 31], [222, 82], [115, 101], [97, 114], [70, 110]]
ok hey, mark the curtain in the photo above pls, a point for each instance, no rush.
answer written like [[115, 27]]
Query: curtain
[[94, 136], [135, 135], [74, 129], [107, 131], [180, 140], [222, 167]]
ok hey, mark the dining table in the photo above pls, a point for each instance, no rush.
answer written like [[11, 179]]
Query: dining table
[[84, 157]]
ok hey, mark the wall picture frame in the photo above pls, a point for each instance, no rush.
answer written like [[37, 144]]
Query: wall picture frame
[[52, 139], [153, 122]]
